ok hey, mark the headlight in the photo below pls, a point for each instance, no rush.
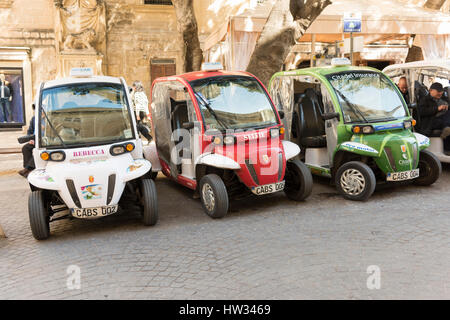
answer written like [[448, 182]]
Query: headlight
[[275, 132], [117, 150], [57, 156], [408, 124], [229, 140], [368, 129]]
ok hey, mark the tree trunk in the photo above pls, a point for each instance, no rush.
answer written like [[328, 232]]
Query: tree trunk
[[187, 27], [287, 22], [434, 4]]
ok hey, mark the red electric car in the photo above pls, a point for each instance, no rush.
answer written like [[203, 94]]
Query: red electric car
[[218, 133]]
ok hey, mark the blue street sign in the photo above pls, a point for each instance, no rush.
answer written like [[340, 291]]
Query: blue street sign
[[352, 21], [352, 25]]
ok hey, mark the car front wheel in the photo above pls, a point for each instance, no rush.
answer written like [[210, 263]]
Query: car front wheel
[[214, 196], [38, 214], [355, 181]]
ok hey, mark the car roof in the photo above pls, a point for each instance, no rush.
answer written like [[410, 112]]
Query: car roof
[[197, 75], [325, 70], [441, 63], [77, 80]]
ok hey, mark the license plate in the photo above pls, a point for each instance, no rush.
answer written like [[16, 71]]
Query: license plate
[[268, 188], [404, 175], [92, 213]]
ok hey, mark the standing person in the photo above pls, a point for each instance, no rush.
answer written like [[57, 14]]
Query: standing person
[[140, 103], [5, 99], [27, 150]]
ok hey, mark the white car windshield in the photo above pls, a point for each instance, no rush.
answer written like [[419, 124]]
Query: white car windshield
[[367, 96], [233, 102], [84, 114]]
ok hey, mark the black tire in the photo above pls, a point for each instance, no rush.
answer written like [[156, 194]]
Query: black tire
[[212, 185], [364, 178], [150, 175], [299, 181], [149, 202], [38, 214], [430, 168]]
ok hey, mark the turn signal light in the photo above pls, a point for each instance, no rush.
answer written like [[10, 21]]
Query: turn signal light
[[282, 130], [45, 156], [130, 147], [217, 140], [414, 122], [356, 129]]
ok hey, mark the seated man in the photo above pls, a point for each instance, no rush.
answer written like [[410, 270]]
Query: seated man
[[403, 87], [27, 151]]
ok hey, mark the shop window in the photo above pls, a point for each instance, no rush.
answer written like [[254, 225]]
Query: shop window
[[159, 2], [11, 97]]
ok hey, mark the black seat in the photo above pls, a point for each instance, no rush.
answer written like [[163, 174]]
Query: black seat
[[420, 91], [311, 126]]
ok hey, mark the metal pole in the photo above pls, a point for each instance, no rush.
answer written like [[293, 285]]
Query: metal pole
[[313, 49], [351, 47]]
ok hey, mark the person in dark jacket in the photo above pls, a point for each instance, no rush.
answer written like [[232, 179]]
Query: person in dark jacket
[[27, 151], [434, 113], [403, 87]]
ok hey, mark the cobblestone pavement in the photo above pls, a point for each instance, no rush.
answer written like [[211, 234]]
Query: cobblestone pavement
[[266, 248]]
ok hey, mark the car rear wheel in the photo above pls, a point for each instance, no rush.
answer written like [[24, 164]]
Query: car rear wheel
[[355, 181], [148, 202], [38, 214], [214, 196], [430, 169], [299, 181]]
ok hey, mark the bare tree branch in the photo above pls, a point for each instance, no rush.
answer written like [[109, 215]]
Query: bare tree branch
[[434, 4], [287, 22]]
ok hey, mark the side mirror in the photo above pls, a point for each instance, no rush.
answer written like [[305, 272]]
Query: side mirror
[[25, 139], [281, 113], [188, 125], [331, 115]]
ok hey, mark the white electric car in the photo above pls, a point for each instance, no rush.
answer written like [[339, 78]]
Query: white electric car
[[87, 153], [419, 76]]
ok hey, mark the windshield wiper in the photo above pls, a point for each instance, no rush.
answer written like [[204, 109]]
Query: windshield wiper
[[51, 126], [210, 109], [352, 106]]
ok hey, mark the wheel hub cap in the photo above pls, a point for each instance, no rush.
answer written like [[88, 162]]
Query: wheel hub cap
[[208, 197], [353, 182]]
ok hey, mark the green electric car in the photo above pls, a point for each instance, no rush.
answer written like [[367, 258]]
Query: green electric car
[[353, 126]]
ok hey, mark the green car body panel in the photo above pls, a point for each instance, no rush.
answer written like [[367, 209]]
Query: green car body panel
[[393, 147]]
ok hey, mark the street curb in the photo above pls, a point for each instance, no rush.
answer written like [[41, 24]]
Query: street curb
[[10, 150]]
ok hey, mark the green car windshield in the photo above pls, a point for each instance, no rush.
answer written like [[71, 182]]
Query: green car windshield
[[234, 102], [84, 114], [367, 96]]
